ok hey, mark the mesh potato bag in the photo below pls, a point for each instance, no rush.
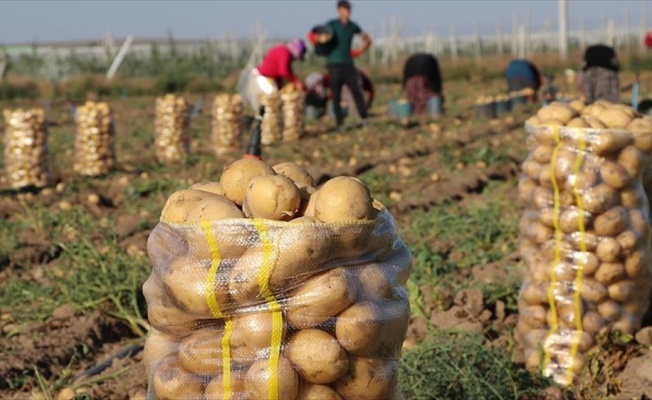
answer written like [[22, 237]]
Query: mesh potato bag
[[260, 309], [584, 235], [94, 147], [171, 129], [226, 124], [292, 100], [272, 123], [26, 151]]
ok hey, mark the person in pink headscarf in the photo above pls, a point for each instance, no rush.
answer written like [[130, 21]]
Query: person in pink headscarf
[[275, 70]]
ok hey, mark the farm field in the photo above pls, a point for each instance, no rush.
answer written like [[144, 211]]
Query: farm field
[[73, 256]]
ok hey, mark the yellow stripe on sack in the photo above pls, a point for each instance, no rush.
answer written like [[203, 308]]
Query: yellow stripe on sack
[[211, 300], [577, 299], [275, 308], [558, 236]]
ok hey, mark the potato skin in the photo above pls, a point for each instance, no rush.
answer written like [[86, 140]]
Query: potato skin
[[188, 206], [317, 356], [311, 391], [171, 382], [215, 388], [210, 187], [253, 330], [257, 379], [158, 345], [368, 379], [358, 328], [294, 172], [272, 197], [235, 178], [344, 199]]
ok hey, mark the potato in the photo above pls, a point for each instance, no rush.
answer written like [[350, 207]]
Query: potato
[[590, 240], [201, 352], [577, 122], [566, 362], [600, 198], [373, 282], [215, 388], [158, 345], [560, 112], [594, 323], [628, 324], [585, 180], [542, 198], [592, 291], [271, 197], [172, 382], [357, 328], [295, 173], [258, 377], [368, 379], [612, 222], [534, 316], [608, 142], [532, 169], [533, 121], [614, 175], [629, 241], [538, 232], [564, 271], [615, 118], [622, 291], [309, 210], [608, 250], [210, 187], [542, 154], [526, 188], [569, 220], [609, 273], [594, 123], [533, 360], [307, 201], [235, 178], [639, 221], [630, 197], [321, 298], [547, 217], [317, 356], [610, 310], [535, 293], [566, 316], [577, 105], [636, 265], [189, 206], [587, 260], [641, 128], [163, 314], [344, 199], [593, 110], [310, 391], [545, 176], [254, 330], [633, 161]]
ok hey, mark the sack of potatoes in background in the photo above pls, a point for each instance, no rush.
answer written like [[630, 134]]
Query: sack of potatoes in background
[[272, 123], [267, 287], [227, 122], [585, 232], [26, 151], [94, 148], [171, 129], [292, 100]]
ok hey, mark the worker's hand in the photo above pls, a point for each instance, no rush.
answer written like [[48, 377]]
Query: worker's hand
[[355, 53]]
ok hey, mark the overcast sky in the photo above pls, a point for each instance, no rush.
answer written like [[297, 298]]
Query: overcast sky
[[51, 20]]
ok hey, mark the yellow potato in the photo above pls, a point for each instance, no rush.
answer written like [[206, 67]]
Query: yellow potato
[[614, 175], [566, 316], [215, 388], [622, 291], [533, 360], [294, 172], [545, 176], [373, 282], [608, 141], [258, 377], [308, 198], [533, 121], [558, 111], [592, 322], [577, 122], [344, 199], [542, 198], [641, 128], [575, 364], [630, 197], [172, 382], [210, 187], [272, 197], [569, 220], [189, 206], [317, 356], [592, 291], [629, 241], [577, 105], [310, 391], [534, 316], [594, 109], [609, 273], [158, 345], [608, 250], [589, 239], [636, 265], [162, 314], [321, 298], [639, 221], [542, 154], [600, 198], [610, 310], [587, 260], [628, 324], [526, 188], [235, 178], [532, 169], [584, 180], [633, 160], [201, 352], [612, 222], [594, 123], [368, 379], [535, 293], [254, 330], [615, 118]]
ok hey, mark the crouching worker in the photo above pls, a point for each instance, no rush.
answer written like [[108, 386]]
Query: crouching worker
[[318, 93], [274, 71], [422, 81], [523, 74]]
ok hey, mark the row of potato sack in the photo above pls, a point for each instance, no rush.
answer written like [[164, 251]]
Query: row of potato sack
[[171, 129], [284, 115], [585, 231], [25, 148], [265, 286], [94, 139]]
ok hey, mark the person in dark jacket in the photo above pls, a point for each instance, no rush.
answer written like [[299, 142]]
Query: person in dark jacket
[[318, 92], [422, 80], [522, 74], [599, 78]]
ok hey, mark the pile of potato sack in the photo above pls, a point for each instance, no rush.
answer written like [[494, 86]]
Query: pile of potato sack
[[272, 123], [171, 129], [226, 124], [25, 152], [264, 286], [293, 113], [585, 233], [94, 148]]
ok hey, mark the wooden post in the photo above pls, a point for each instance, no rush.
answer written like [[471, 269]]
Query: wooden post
[[563, 29], [514, 42], [521, 41], [119, 58], [499, 38]]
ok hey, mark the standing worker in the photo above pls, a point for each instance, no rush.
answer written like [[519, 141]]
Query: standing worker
[[422, 80], [522, 74], [599, 78], [341, 68], [274, 71]]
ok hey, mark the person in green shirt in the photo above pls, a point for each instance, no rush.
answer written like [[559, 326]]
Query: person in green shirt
[[341, 69]]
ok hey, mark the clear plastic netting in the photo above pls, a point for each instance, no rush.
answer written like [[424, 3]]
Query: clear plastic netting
[[26, 149], [292, 100], [584, 236], [171, 129], [227, 122], [260, 309], [94, 141]]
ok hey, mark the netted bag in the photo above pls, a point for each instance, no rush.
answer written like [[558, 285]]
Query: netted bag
[[584, 235], [227, 122], [292, 100], [254, 309], [271, 125], [94, 142], [26, 151], [171, 129]]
